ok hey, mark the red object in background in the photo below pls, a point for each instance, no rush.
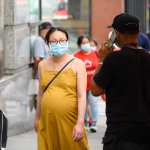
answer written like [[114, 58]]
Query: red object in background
[[90, 122], [61, 12], [91, 62]]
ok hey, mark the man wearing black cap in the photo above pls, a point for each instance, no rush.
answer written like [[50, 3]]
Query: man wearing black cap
[[125, 78]]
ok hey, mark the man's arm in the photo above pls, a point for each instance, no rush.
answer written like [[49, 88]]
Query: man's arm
[[103, 75], [96, 89], [35, 67], [38, 53]]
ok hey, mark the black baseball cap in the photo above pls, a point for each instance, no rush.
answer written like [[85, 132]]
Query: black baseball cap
[[125, 23], [45, 25]]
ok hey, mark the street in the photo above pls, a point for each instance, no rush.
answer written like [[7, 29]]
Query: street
[[27, 141]]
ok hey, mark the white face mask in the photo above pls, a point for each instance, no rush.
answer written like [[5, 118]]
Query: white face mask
[[93, 48]]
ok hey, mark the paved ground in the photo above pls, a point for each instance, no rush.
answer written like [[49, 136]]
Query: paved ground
[[27, 141], [95, 139]]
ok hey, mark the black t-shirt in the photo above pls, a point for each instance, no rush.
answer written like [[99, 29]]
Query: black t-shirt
[[125, 77]]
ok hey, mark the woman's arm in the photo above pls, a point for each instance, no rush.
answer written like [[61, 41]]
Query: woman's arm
[[81, 98], [81, 92]]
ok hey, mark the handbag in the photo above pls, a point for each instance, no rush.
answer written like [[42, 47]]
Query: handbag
[[58, 74], [3, 130]]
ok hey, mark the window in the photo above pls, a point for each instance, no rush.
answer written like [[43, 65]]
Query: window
[[73, 15], [34, 10], [140, 9], [26, 11]]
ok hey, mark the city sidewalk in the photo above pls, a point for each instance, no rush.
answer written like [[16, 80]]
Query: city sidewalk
[[27, 141]]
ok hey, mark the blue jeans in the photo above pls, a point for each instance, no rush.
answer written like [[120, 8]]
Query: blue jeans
[[92, 101]]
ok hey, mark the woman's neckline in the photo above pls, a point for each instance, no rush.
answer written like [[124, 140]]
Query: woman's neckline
[[56, 67], [64, 71]]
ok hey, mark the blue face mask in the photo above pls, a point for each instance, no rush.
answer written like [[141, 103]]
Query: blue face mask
[[86, 47], [58, 49]]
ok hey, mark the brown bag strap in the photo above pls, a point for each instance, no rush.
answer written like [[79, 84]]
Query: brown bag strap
[[58, 74]]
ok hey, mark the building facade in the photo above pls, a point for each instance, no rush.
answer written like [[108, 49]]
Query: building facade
[[18, 24], [102, 14]]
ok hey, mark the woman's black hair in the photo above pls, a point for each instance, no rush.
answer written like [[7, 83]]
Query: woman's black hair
[[93, 40], [52, 30], [80, 39]]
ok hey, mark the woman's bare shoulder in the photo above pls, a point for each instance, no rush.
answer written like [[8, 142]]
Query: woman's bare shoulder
[[43, 63], [78, 61], [78, 64]]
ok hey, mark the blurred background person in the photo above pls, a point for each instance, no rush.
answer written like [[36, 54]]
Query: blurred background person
[[91, 61], [148, 34], [144, 41], [40, 52], [40, 47], [94, 46]]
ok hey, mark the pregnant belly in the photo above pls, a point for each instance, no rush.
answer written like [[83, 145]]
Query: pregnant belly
[[59, 104]]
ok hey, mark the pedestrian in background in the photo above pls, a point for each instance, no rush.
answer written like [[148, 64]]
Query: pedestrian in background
[[62, 97], [39, 52], [90, 59], [94, 46], [124, 77], [40, 46], [144, 41], [148, 35]]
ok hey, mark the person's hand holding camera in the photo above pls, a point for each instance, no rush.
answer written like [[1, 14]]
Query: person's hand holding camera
[[105, 49]]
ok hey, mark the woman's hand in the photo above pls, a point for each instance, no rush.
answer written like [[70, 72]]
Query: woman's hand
[[36, 124], [77, 132]]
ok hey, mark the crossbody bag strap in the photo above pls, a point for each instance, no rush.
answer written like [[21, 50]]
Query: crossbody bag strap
[[58, 74]]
